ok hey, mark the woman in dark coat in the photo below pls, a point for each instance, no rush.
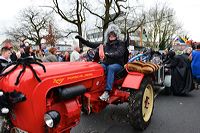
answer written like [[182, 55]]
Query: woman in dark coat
[[28, 51]]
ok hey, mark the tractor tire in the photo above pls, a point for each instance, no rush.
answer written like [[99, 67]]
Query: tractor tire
[[141, 104]]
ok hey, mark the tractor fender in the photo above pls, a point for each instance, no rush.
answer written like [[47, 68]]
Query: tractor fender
[[133, 80]]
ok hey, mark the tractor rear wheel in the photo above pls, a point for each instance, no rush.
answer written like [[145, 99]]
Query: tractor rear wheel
[[141, 104]]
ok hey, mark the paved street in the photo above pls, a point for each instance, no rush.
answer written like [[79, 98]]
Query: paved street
[[171, 115]]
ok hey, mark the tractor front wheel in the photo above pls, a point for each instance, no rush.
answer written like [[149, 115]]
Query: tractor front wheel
[[141, 103]]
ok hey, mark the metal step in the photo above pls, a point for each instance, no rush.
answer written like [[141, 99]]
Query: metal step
[[113, 99], [158, 89]]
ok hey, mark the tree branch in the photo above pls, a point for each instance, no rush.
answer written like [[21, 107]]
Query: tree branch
[[90, 11], [60, 12]]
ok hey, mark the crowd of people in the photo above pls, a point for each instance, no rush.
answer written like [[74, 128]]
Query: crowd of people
[[184, 68], [9, 54]]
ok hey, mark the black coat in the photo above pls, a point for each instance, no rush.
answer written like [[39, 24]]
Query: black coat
[[3, 63], [13, 57], [116, 51], [25, 55], [181, 82]]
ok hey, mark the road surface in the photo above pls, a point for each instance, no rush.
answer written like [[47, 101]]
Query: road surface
[[172, 114]]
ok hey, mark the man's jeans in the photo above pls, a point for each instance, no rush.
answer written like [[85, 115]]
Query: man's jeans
[[111, 70]]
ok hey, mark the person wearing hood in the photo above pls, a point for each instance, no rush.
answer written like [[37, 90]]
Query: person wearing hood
[[4, 58], [112, 55]]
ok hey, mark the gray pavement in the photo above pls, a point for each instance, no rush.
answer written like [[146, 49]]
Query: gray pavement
[[172, 114]]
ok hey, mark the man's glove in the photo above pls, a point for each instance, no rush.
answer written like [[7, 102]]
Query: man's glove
[[78, 37], [81, 39], [86, 42]]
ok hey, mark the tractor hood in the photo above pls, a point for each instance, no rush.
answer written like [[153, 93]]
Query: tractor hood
[[70, 69], [56, 73]]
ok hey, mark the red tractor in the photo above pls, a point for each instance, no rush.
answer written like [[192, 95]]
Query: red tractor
[[49, 97]]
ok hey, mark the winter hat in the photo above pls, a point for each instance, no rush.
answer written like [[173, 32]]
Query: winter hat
[[112, 28]]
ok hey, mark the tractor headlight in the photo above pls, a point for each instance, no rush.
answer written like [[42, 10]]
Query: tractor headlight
[[1, 93], [52, 118]]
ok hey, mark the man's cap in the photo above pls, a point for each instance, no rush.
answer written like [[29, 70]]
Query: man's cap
[[8, 45]]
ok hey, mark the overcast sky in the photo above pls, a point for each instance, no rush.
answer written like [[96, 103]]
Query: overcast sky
[[187, 13]]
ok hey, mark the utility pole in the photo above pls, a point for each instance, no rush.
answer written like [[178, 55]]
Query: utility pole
[[141, 32]]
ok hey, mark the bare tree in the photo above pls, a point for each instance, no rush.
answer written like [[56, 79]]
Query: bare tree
[[161, 26], [112, 10], [74, 15], [32, 25], [130, 20]]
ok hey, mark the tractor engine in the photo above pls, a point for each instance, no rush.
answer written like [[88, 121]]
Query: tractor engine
[[39, 98], [63, 108]]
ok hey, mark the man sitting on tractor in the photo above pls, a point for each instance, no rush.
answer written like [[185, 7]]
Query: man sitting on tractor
[[112, 55]]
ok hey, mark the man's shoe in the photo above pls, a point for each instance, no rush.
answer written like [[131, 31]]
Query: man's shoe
[[104, 96]]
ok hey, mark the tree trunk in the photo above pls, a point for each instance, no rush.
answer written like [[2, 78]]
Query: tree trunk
[[80, 33]]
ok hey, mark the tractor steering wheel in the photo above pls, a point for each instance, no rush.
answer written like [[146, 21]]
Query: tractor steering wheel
[[91, 54]]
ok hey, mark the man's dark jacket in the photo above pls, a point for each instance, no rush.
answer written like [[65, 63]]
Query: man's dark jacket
[[115, 51]]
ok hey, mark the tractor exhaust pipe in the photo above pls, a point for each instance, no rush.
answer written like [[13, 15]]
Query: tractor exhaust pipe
[[71, 92]]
